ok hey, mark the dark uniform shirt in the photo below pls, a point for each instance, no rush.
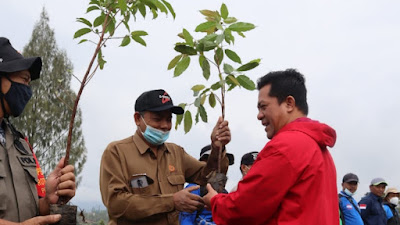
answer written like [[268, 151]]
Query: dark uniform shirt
[[372, 211]]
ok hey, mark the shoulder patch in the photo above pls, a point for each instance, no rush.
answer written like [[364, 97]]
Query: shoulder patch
[[26, 160]]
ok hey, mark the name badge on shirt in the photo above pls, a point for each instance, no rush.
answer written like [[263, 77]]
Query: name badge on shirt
[[27, 160], [141, 180]]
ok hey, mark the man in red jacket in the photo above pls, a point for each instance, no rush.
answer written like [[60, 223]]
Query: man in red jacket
[[293, 180]]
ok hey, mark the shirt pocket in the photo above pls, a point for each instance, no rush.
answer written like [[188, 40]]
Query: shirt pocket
[[177, 181], [3, 189]]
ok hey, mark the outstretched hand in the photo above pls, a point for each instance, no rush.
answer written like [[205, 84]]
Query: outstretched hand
[[60, 182], [210, 194], [187, 202], [221, 134]]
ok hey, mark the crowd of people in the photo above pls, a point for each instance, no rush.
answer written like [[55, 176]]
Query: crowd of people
[[378, 207], [142, 177]]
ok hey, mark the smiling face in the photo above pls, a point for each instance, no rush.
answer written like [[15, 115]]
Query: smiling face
[[272, 114], [378, 190], [351, 186]]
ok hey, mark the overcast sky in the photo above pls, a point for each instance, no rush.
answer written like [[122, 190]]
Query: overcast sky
[[348, 51]]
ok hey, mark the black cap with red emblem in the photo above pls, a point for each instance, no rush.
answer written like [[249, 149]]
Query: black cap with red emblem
[[155, 101]]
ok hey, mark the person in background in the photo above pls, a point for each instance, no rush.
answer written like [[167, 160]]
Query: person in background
[[245, 165], [390, 202], [25, 196], [293, 180], [201, 216], [349, 210], [371, 206]]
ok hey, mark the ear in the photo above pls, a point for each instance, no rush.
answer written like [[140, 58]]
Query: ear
[[290, 103], [137, 116]]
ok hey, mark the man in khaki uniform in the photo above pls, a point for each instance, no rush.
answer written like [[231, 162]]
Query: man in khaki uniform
[[142, 176], [19, 200]]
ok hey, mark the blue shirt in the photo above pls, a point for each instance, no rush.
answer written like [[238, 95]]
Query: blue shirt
[[202, 217], [351, 212], [389, 213], [372, 211]]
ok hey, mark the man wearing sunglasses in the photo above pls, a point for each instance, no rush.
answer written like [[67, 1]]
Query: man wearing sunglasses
[[24, 195]]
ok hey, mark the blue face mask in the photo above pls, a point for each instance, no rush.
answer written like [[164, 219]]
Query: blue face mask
[[17, 97], [153, 135]]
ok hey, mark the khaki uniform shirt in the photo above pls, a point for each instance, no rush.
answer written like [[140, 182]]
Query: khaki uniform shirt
[[18, 178], [153, 204]]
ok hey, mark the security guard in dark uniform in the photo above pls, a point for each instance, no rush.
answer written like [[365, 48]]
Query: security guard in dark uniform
[[19, 199]]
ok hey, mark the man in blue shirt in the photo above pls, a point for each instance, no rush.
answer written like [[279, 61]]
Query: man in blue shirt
[[371, 206], [347, 204]]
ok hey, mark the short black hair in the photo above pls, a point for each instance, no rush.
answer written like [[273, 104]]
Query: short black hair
[[286, 83]]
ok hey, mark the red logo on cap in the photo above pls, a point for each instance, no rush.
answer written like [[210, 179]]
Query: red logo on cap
[[165, 98]]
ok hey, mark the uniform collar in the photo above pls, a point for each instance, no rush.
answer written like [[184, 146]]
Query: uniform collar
[[143, 147]]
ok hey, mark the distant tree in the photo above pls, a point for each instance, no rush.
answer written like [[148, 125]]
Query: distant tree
[[46, 118]]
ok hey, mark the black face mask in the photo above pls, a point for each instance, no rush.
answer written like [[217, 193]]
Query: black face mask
[[17, 97]]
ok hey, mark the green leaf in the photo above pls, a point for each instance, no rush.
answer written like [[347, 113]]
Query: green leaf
[[122, 5], [228, 69], [99, 20], [206, 69], [84, 21], [233, 79], [230, 20], [91, 8], [125, 41], [198, 87], [224, 11], [219, 39], [139, 40], [185, 50], [179, 117], [81, 32], [209, 13], [174, 61], [110, 27], [228, 36], [205, 26], [181, 66], [197, 100], [216, 86], [155, 14], [169, 8], [203, 99], [188, 37], [241, 34], [83, 40], [233, 56], [248, 66], [100, 59], [160, 6], [246, 82], [187, 121], [203, 113], [142, 9], [207, 45], [139, 33], [218, 56], [210, 37], [211, 100], [241, 27]]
